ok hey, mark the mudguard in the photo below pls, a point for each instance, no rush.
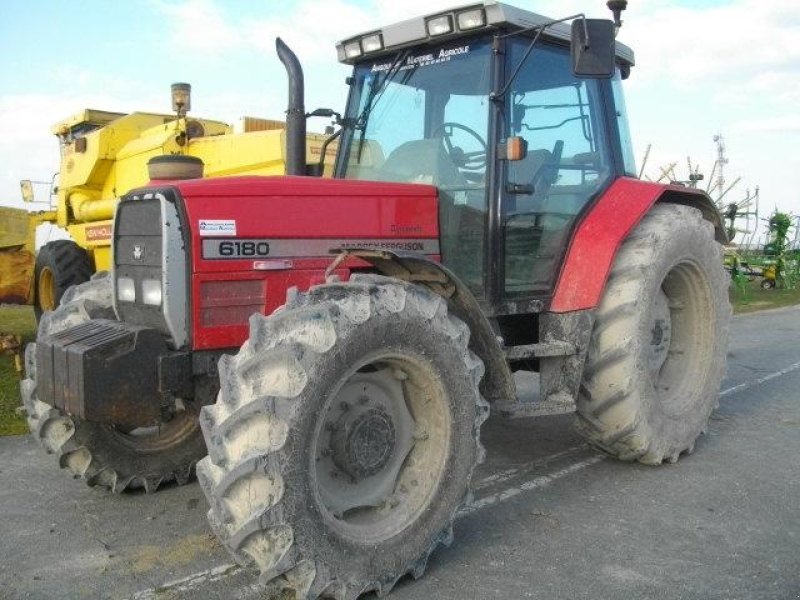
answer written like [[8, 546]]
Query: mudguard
[[498, 382], [594, 245]]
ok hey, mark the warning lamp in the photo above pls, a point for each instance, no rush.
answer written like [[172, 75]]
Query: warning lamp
[[181, 98]]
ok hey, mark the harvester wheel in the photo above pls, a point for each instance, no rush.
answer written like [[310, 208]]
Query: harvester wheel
[[59, 265], [344, 438], [657, 354], [101, 454]]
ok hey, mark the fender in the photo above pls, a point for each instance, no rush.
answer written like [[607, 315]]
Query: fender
[[497, 383], [598, 236]]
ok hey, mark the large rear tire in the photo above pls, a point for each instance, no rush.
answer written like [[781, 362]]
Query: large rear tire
[[657, 353], [102, 454], [59, 265], [344, 438]]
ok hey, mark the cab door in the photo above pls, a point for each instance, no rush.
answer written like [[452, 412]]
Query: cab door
[[568, 163]]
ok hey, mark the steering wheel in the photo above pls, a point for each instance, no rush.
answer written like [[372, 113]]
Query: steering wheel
[[469, 161]]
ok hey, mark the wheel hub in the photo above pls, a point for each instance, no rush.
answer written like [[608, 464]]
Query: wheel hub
[[363, 441], [366, 435], [660, 334]]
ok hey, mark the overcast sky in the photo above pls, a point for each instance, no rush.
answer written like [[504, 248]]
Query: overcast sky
[[703, 67]]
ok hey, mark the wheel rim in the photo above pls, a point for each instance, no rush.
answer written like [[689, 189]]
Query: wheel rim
[[47, 289], [680, 331], [380, 447], [158, 438]]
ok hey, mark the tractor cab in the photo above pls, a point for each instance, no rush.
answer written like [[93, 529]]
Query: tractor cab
[[484, 103]]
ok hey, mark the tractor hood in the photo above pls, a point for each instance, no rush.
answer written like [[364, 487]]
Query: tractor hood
[[245, 241], [306, 217]]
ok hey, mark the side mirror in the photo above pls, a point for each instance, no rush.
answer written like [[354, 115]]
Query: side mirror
[[26, 186], [593, 48]]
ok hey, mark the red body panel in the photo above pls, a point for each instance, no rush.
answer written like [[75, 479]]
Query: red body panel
[[276, 284], [281, 209], [593, 247]]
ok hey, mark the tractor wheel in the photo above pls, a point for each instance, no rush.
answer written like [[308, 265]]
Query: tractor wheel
[[657, 353], [101, 454], [59, 265], [344, 438], [767, 284]]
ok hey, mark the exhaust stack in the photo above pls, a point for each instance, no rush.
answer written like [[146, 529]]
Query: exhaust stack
[[295, 113]]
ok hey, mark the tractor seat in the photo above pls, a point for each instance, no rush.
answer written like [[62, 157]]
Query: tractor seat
[[420, 161], [536, 170], [525, 171]]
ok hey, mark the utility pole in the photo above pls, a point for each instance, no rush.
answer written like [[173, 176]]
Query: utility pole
[[722, 160]]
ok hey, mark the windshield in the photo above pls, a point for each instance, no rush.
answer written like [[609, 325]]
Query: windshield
[[420, 116]]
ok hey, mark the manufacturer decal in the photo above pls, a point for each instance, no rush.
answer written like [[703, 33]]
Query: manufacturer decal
[[138, 252], [217, 227], [395, 228], [424, 60], [98, 233], [235, 248], [302, 248]]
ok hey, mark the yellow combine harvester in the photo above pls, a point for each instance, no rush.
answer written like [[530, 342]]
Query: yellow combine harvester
[[103, 156], [17, 253]]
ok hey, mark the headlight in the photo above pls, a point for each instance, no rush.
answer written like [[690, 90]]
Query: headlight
[[352, 49], [151, 292], [126, 290], [440, 25], [471, 19], [371, 43]]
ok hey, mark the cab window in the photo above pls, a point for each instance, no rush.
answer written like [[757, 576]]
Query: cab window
[[567, 163]]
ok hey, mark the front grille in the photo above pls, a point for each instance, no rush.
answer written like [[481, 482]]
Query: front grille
[[149, 246]]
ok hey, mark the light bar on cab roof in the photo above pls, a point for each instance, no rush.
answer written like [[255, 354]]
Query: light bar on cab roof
[[468, 19]]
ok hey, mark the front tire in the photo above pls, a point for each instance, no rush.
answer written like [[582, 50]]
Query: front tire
[[102, 454], [59, 265], [344, 438], [657, 353]]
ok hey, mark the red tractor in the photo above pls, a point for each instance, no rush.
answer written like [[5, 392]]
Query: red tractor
[[484, 218]]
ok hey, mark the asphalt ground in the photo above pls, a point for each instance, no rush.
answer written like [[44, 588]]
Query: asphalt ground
[[551, 518]]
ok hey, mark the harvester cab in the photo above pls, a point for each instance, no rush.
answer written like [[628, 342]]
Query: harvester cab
[[339, 342], [106, 154]]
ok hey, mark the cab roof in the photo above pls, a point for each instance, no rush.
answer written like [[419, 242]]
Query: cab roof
[[497, 15], [87, 116]]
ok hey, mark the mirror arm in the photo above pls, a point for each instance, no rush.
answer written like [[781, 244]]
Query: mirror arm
[[324, 150], [587, 43], [324, 112], [539, 29]]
